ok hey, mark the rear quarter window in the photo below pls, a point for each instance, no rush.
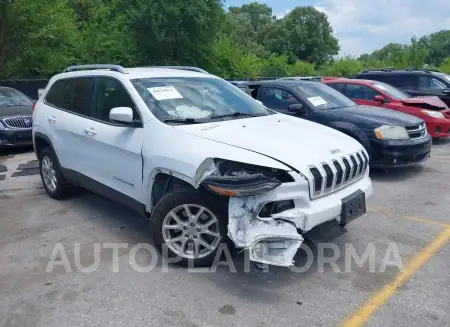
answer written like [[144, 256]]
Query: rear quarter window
[[75, 95]]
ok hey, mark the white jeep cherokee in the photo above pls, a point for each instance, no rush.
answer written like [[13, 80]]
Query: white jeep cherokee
[[202, 159]]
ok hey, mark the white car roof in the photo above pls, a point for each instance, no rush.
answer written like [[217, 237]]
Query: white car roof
[[135, 72]]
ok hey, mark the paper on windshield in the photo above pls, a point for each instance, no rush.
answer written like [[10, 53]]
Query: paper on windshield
[[185, 111], [165, 93], [381, 87], [317, 101]]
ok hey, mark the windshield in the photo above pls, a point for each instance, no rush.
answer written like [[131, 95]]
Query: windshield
[[444, 76], [322, 96], [392, 91], [13, 98], [193, 98]]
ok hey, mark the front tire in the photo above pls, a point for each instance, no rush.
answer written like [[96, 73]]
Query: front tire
[[54, 183], [189, 227]]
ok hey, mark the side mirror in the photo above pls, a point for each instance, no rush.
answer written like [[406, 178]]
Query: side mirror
[[379, 99], [121, 114], [297, 108], [260, 102], [446, 91]]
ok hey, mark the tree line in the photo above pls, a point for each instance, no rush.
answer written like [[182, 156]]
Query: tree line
[[41, 37]]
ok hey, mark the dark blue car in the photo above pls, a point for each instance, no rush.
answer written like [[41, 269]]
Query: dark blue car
[[391, 138]]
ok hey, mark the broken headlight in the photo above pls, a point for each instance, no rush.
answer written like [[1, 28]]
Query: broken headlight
[[240, 179]]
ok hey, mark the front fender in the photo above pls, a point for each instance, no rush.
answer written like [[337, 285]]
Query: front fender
[[353, 131]]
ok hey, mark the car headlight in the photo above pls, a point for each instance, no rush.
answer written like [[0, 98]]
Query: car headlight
[[1, 125], [233, 179], [390, 132], [434, 114]]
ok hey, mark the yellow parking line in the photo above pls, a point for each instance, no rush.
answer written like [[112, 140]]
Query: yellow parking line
[[362, 315], [422, 220], [427, 221]]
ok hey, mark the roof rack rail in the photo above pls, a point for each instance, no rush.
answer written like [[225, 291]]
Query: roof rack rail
[[387, 69], [422, 69], [191, 68], [115, 68]]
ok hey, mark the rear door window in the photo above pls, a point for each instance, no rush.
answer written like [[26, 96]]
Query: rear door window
[[430, 84], [74, 95], [275, 98], [338, 87], [360, 92]]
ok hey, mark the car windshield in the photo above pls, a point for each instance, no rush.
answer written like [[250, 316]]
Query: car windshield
[[13, 98], [391, 91], [444, 76], [322, 96], [189, 99]]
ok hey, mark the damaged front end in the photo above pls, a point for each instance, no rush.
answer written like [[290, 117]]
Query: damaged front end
[[270, 238]]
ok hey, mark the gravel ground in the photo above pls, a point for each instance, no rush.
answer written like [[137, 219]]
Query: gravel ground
[[409, 209]]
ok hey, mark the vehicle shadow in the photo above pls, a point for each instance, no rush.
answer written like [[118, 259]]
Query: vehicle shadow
[[11, 152], [441, 142], [395, 174], [232, 272]]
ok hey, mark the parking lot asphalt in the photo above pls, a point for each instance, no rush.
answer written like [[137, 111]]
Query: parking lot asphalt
[[403, 281]]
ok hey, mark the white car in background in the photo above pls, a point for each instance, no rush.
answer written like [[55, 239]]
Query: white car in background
[[203, 160]]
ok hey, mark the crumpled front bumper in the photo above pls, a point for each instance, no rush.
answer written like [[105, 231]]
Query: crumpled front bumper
[[276, 239]]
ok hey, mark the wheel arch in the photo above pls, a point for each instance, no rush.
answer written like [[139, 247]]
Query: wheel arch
[[161, 181]]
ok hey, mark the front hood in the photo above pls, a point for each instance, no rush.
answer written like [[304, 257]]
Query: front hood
[[426, 102], [15, 111], [294, 141], [378, 116]]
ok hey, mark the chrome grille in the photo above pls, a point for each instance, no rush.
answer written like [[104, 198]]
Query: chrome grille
[[417, 131], [19, 122], [329, 177]]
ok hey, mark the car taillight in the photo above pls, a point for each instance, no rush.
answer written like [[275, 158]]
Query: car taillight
[[33, 106]]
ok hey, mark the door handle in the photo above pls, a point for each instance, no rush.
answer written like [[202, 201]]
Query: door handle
[[51, 119], [90, 131]]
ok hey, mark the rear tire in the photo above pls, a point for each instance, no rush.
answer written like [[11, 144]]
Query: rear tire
[[54, 183], [189, 226]]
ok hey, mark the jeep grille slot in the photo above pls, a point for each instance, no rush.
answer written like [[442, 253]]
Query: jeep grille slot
[[339, 172], [347, 170], [317, 179], [327, 178], [354, 167], [330, 176]]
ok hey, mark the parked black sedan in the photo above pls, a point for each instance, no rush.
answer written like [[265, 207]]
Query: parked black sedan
[[15, 118], [391, 138]]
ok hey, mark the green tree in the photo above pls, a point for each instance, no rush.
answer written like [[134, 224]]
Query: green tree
[[310, 35], [247, 26], [42, 37], [301, 68], [344, 67], [174, 32], [416, 53], [445, 66], [438, 45], [105, 34], [275, 66]]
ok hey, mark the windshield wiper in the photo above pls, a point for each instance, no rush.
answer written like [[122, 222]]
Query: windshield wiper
[[236, 114], [183, 121]]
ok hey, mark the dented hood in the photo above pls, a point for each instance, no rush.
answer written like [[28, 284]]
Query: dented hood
[[294, 141], [432, 101]]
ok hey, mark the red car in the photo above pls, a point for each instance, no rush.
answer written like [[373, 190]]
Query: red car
[[431, 109]]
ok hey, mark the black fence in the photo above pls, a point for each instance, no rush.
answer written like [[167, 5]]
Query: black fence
[[28, 86]]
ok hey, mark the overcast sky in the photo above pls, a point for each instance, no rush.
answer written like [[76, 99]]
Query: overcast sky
[[367, 25]]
